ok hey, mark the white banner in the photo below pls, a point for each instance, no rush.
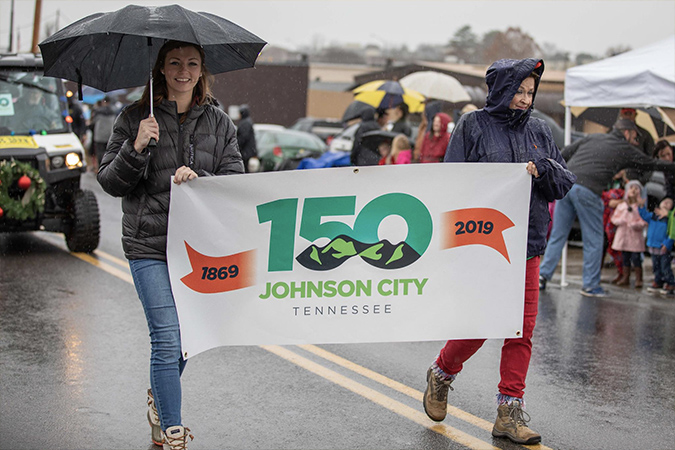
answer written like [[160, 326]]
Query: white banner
[[345, 255]]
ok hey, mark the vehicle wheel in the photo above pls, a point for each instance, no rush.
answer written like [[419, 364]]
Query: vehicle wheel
[[85, 227]]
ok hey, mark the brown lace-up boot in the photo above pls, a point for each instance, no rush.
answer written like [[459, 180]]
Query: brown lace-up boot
[[435, 399], [511, 423]]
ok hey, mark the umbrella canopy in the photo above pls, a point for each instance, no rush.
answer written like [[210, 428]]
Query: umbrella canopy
[[372, 139], [436, 85], [388, 94], [652, 118], [355, 109], [116, 50]]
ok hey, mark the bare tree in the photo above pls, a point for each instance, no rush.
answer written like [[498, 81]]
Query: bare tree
[[513, 43]]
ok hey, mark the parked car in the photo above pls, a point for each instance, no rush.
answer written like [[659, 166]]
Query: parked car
[[280, 148], [344, 140], [323, 128], [36, 137]]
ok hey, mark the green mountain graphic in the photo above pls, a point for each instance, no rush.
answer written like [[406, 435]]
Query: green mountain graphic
[[383, 254]]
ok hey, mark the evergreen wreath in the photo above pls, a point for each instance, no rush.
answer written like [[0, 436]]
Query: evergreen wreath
[[19, 198]]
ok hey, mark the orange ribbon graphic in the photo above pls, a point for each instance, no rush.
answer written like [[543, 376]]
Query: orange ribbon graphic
[[211, 274], [470, 226]]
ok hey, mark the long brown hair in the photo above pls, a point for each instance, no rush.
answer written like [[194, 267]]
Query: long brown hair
[[202, 91]]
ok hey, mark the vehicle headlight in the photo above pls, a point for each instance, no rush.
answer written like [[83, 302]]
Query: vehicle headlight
[[57, 162], [73, 160]]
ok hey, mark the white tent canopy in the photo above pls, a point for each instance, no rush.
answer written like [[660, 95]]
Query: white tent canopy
[[641, 77]]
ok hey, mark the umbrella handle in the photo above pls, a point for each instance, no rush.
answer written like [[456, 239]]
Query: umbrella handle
[[153, 142]]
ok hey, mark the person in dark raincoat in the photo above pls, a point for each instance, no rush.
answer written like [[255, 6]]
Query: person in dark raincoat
[[246, 136], [504, 132], [362, 155]]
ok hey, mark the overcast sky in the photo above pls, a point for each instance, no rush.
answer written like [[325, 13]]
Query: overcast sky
[[575, 26]]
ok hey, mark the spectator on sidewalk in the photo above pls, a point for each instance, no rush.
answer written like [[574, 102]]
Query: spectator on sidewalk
[[246, 138], [660, 246], [611, 199], [629, 239], [399, 152], [362, 155], [398, 119], [645, 141], [102, 121], [433, 143]]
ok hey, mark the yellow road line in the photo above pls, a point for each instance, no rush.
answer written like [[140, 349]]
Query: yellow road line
[[370, 394], [111, 258], [395, 385], [106, 267], [386, 402], [402, 388]]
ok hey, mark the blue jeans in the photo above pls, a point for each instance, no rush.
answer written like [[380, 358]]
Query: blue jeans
[[583, 203], [151, 278], [663, 272]]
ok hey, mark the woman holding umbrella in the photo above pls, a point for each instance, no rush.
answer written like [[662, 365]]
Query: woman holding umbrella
[[194, 138]]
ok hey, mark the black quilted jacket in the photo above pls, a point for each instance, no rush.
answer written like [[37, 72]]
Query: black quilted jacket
[[205, 141]]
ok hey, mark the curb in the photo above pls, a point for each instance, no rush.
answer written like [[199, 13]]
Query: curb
[[627, 294]]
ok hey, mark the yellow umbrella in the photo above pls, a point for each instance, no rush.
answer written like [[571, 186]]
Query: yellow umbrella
[[388, 94]]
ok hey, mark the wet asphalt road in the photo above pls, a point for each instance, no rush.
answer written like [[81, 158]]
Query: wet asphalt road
[[74, 356]]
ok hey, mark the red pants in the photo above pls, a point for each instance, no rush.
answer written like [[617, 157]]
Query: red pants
[[516, 352]]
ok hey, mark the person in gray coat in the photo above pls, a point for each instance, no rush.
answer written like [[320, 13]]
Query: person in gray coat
[[194, 139]]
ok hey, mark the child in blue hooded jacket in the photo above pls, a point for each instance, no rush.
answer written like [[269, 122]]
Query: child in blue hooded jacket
[[660, 246]]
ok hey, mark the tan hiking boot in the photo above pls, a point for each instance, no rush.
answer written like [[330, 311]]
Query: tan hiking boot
[[512, 423], [435, 399], [175, 438], [153, 419]]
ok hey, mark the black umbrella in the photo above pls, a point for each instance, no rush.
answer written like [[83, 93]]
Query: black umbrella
[[117, 50], [652, 118], [355, 109], [372, 139]]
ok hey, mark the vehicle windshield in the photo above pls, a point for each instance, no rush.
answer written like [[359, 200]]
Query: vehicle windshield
[[298, 140], [30, 104]]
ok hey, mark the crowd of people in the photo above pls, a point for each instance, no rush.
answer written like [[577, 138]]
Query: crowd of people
[[429, 144], [606, 164]]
